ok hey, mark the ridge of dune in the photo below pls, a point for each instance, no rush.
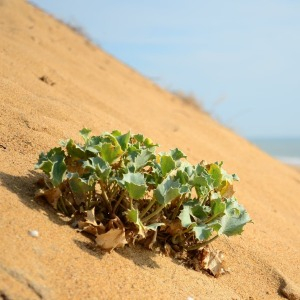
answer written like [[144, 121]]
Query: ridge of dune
[[53, 83]]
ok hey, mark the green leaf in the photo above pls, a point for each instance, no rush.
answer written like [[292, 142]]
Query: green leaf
[[187, 168], [122, 139], [202, 232], [218, 207], [75, 150], [167, 191], [148, 143], [177, 154], [85, 133], [139, 138], [44, 164], [200, 211], [167, 164], [133, 216], [202, 181], [99, 166], [53, 165], [135, 185], [110, 152], [79, 187], [235, 218], [185, 216], [140, 159], [216, 174], [58, 172], [182, 177], [202, 191]]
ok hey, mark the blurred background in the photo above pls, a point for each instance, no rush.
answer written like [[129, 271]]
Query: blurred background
[[239, 60]]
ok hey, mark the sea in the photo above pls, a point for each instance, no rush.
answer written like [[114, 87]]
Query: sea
[[285, 149]]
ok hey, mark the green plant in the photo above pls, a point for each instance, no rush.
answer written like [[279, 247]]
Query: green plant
[[117, 188]]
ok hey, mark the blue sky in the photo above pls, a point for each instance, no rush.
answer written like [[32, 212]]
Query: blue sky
[[241, 59]]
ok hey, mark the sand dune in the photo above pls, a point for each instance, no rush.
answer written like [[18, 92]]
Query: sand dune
[[52, 83]]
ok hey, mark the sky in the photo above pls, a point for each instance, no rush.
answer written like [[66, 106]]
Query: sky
[[240, 59]]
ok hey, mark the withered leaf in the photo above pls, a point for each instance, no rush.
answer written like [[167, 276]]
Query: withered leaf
[[174, 227], [88, 223], [51, 195], [212, 261], [114, 238], [90, 216]]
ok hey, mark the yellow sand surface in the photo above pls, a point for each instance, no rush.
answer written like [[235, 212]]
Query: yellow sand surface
[[53, 82]]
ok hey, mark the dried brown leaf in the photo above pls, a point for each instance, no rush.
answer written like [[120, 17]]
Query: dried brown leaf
[[174, 227], [90, 217], [150, 239], [114, 238], [90, 228], [212, 261], [227, 191], [51, 195]]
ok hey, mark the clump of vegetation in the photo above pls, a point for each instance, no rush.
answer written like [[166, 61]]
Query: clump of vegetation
[[115, 187]]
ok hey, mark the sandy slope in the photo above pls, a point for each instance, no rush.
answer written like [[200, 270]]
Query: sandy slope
[[93, 89]]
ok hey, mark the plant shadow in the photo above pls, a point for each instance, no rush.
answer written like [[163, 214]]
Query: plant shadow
[[141, 257], [26, 186]]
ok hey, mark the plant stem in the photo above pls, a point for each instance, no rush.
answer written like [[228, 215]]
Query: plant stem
[[62, 207], [119, 200], [197, 246], [150, 204], [158, 210], [105, 195], [212, 218], [112, 189], [114, 193], [175, 212]]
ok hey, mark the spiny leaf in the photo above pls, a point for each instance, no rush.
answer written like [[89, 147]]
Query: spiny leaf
[[201, 178], [167, 191], [177, 154], [58, 172], [167, 164], [235, 218], [53, 164], [97, 164], [226, 189], [218, 207], [202, 232], [75, 150], [135, 185], [139, 138], [85, 133], [182, 177], [110, 152], [216, 174], [79, 188], [185, 216], [148, 143], [201, 212], [53, 155], [133, 216], [142, 158], [122, 139]]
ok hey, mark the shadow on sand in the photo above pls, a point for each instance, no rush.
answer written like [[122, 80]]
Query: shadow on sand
[[26, 186]]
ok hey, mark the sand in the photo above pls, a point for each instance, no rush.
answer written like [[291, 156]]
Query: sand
[[83, 86]]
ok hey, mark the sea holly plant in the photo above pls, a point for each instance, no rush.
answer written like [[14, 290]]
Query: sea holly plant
[[117, 188]]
